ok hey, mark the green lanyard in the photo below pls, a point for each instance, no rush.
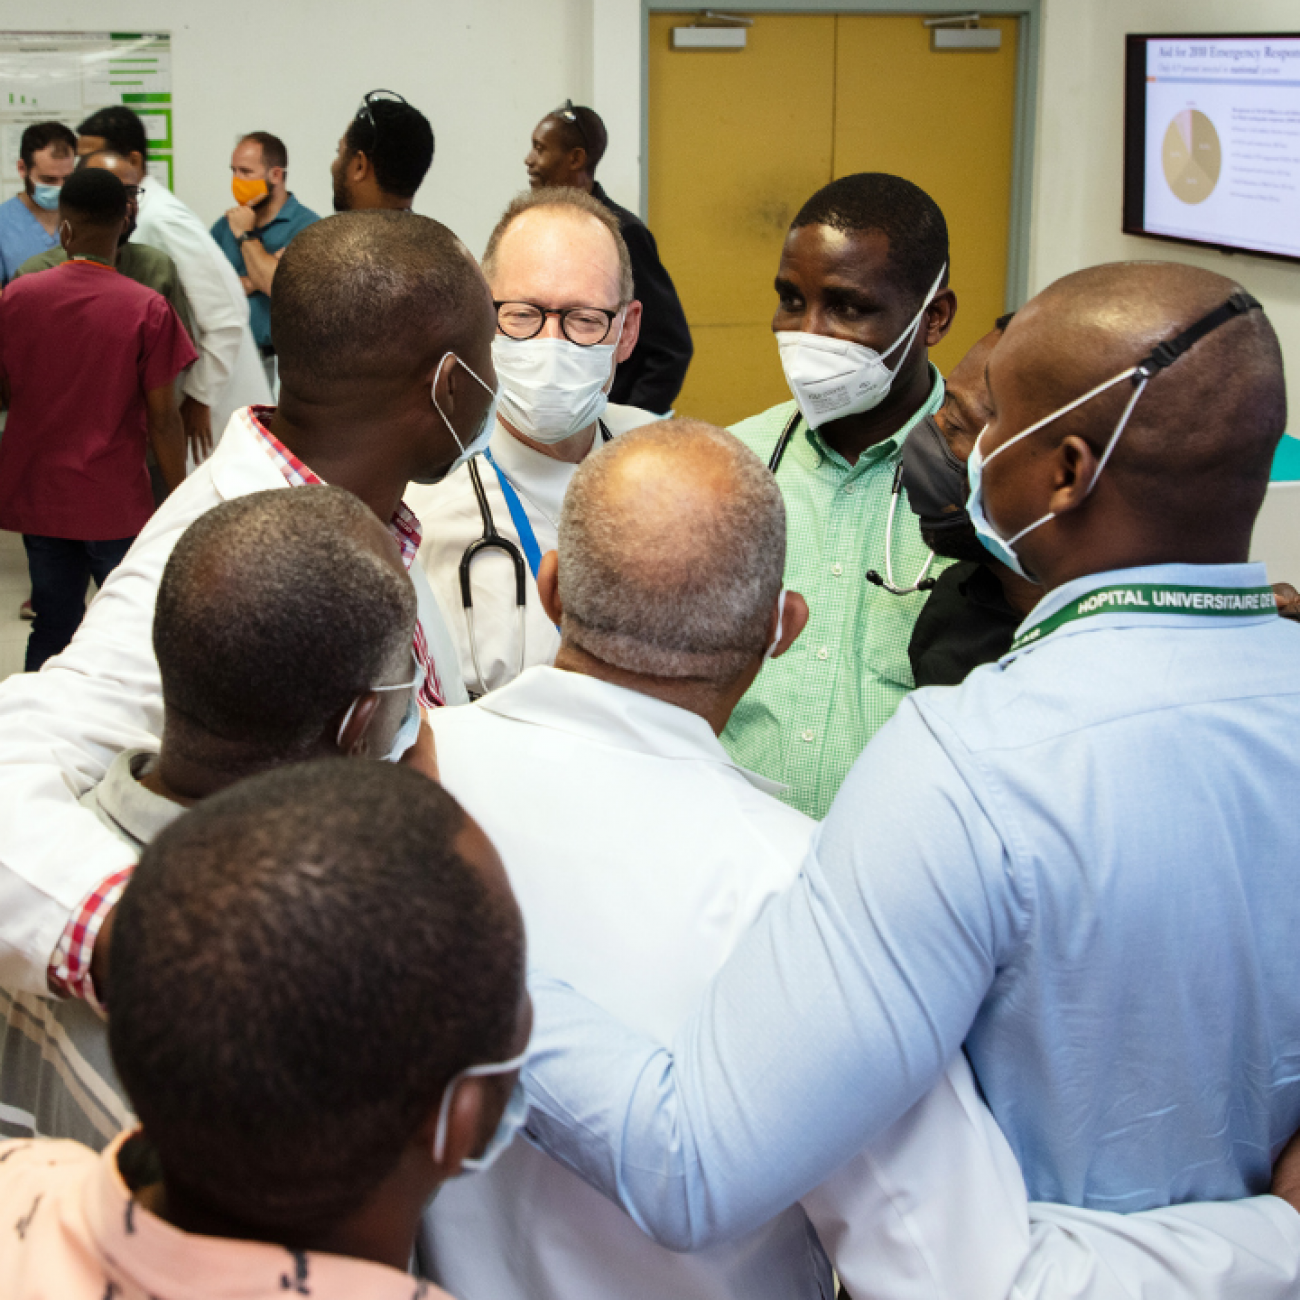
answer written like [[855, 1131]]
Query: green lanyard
[[1155, 598]]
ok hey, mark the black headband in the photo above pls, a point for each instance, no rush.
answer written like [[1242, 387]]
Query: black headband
[[1165, 354]]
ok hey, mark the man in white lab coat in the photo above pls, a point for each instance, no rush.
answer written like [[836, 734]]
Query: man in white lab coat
[[228, 374], [640, 853], [383, 325], [562, 281]]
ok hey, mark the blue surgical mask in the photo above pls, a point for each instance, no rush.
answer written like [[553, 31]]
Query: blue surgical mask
[[46, 196], [483, 435], [512, 1118], [1004, 548]]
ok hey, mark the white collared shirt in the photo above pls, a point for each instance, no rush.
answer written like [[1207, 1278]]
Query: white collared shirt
[[228, 373], [62, 727], [639, 854], [450, 516]]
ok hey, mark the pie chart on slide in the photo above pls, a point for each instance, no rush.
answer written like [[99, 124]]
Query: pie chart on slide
[[1192, 156]]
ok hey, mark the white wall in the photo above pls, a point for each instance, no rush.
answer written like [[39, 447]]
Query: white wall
[[483, 71]]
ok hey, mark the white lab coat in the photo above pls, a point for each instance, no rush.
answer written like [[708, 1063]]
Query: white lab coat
[[450, 516], [229, 372], [639, 854], [61, 728]]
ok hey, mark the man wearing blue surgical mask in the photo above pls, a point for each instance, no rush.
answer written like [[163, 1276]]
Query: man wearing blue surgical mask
[[29, 222], [1077, 868], [561, 282], [247, 686]]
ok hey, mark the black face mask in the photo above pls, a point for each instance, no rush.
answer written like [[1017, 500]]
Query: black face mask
[[936, 485]]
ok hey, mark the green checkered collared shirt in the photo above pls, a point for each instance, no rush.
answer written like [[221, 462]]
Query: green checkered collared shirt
[[811, 712]]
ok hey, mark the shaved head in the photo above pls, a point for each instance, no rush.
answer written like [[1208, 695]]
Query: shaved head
[[1196, 453], [373, 296], [671, 553]]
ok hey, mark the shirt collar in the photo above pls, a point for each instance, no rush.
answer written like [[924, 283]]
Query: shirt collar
[[404, 526], [586, 707], [163, 1260], [139, 812], [812, 450], [543, 478], [1226, 576], [287, 211]]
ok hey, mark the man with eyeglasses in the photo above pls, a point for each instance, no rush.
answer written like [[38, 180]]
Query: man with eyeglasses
[[566, 148], [383, 156], [561, 281]]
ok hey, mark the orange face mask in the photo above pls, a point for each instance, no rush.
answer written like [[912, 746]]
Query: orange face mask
[[248, 192]]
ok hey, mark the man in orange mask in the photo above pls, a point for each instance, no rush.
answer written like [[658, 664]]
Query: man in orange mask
[[255, 231]]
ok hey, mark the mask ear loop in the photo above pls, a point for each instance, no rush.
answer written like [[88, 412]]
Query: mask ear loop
[[780, 625], [911, 331]]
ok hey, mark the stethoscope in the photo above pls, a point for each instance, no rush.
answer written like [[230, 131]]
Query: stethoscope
[[921, 581], [522, 560]]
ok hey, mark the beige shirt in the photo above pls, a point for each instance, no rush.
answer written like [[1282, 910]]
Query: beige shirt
[[71, 1230]]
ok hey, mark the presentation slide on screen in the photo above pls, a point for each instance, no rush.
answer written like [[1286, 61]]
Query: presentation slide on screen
[[66, 76], [1223, 141]]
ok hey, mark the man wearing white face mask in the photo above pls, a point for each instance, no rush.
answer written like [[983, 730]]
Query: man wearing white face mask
[[862, 296], [561, 281]]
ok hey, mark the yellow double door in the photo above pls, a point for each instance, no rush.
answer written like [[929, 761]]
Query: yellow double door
[[739, 140]]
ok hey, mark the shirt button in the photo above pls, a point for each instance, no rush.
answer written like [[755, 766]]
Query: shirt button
[[807, 736], [848, 489], [837, 569], [823, 653]]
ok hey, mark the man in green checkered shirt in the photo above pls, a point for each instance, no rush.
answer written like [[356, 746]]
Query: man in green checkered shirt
[[863, 267]]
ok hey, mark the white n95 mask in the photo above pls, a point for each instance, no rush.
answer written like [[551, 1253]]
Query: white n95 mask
[[832, 378], [552, 388]]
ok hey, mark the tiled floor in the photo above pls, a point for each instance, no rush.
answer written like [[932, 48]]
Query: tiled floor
[[14, 589]]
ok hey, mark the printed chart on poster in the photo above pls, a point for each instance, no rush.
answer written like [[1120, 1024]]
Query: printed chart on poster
[[66, 76], [1222, 141]]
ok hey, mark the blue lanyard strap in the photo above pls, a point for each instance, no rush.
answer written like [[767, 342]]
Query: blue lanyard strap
[[523, 525]]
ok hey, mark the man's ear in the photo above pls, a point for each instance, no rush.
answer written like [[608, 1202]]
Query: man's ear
[[359, 166], [275, 176], [136, 160], [793, 622], [472, 1104], [352, 725], [1074, 469], [548, 587], [631, 332], [939, 316]]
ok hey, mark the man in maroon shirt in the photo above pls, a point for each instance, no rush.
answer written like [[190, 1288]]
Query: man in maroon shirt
[[88, 364]]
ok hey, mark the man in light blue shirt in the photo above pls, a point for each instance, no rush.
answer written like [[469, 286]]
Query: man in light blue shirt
[[29, 222], [1080, 864]]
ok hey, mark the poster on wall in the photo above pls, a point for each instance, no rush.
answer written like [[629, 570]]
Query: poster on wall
[[66, 76]]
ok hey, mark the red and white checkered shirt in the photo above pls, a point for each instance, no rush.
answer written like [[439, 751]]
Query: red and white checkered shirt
[[69, 970]]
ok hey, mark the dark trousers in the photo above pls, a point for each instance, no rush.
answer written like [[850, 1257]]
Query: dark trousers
[[60, 569]]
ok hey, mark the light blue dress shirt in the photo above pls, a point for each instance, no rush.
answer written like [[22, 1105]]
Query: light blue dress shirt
[[21, 237], [1081, 864]]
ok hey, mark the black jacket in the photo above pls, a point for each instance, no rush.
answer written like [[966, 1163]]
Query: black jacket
[[965, 622], [653, 375]]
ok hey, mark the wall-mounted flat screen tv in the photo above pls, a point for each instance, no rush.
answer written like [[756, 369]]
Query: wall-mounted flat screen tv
[[1212, 141]]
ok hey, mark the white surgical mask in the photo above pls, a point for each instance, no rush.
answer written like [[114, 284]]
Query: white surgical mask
[[832, 378], [552, 388], [512, 1118], [483, 435], [1004, 548], [410, 727]]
